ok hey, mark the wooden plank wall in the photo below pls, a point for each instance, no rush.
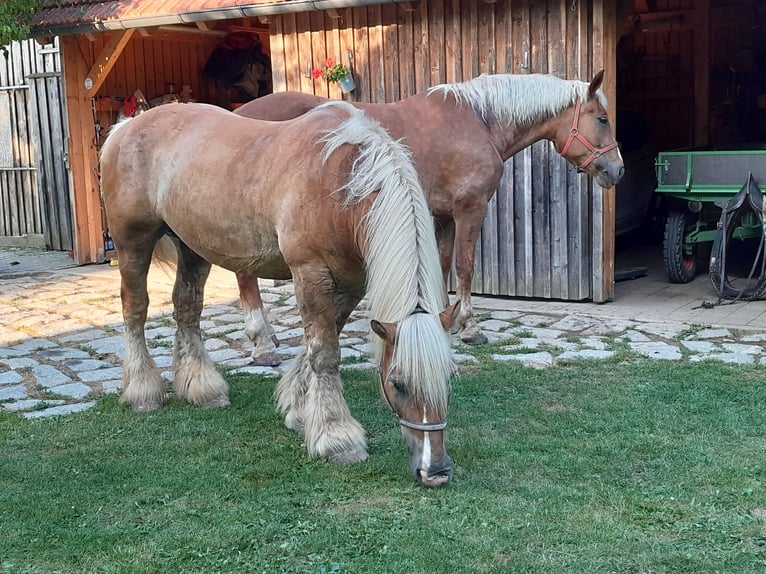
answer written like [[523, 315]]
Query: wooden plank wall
[[536, 240], [656, 73], [35, 207], [693, 70], [156, 63]]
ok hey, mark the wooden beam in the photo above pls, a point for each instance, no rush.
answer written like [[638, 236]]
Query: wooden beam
[[604, 30], [701, 72], [106, 60], [83, 160]]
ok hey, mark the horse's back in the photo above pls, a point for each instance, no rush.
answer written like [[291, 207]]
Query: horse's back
[[231, 188], [201, 144], [280, 106], [451, 146]]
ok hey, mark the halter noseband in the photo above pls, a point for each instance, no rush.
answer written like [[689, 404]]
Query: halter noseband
[[574, 134], [409, 423]]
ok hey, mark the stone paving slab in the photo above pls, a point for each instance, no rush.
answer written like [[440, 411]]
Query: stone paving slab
[[61, 338]]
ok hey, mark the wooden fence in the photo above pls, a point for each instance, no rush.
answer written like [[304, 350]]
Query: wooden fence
[[35, 203]]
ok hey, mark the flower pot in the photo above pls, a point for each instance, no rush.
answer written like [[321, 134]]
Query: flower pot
[[347, 84]]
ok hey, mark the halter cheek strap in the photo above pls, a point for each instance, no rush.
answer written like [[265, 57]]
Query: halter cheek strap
[[574, 134], [409, 423]]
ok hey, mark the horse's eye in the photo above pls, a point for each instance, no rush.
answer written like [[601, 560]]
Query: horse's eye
[[399, 385], [604, 120]]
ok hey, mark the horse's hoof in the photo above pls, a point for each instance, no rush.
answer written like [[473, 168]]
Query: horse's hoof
[[144, 407], [270, 359], [474, 339], [216, 403], [295, 423], [348, 457]]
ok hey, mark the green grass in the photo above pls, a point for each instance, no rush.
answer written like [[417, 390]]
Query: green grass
[[591, 467]]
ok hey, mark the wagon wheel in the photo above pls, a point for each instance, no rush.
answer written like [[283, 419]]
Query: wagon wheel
[[680, 259]]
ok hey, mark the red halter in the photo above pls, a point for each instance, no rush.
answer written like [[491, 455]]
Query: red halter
[[574, 134]]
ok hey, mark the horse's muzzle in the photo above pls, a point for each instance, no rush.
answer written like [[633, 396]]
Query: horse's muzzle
[[609, 175], [435, 475]]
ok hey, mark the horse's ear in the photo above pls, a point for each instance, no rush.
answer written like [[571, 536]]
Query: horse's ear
[[386, 331], [447, 317], [595, 84]]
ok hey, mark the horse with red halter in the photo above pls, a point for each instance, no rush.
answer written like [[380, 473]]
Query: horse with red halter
[[329, 199], [460, 136]]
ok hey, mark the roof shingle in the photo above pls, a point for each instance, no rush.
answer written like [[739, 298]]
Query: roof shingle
[[75, 16]]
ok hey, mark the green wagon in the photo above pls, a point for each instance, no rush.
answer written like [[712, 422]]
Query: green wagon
[[696, 183]]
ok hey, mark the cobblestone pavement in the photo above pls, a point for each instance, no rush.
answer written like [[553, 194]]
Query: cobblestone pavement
[[61, 335]]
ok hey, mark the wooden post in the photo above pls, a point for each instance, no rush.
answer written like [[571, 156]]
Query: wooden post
[[604, 32], [701, 72], [83, 160]]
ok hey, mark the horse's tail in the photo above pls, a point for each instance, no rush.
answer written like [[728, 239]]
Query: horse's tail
[[165, 255], [402, 258], [165, 252]]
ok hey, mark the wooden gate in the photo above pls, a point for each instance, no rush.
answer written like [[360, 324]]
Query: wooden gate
[[35, 203]]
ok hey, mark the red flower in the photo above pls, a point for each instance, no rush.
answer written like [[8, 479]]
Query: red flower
[[329, 63], [316, 73]]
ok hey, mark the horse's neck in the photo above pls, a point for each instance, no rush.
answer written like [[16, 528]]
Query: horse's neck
[[510, 140]]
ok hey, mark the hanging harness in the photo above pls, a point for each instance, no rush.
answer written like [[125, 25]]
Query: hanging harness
[[748, 199]]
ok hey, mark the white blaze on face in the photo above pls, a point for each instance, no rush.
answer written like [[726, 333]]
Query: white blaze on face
[[425, 460]]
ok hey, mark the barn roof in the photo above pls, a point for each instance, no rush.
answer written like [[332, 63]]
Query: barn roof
[[63, 17]]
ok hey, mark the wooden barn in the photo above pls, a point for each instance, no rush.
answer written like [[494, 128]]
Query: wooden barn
[[550, 231]]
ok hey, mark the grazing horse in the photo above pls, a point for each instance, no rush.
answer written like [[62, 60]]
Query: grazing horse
[[460, 136], [329, 199]]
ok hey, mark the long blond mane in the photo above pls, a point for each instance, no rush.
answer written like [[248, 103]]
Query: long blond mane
[[521, 99], [401, 257]]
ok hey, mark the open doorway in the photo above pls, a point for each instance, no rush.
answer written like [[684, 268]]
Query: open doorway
[[690, 74]]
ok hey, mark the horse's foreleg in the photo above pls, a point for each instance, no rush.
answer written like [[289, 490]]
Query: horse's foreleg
[[291, 390], [143, 388], [196, 378], [330, 430], [257, 327], [467, 230]]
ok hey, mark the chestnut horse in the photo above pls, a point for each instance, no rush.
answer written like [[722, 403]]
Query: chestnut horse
[[460, 136], [329, 199]]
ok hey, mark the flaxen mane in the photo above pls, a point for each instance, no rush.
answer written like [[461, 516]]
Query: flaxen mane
[[517, 99], [401, 258]]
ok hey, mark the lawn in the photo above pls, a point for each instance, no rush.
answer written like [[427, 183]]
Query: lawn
[[622, 466]]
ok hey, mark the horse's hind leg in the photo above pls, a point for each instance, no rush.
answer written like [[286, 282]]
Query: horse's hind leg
[[290, 393], [196, 378], [257, 327], [143, 388]]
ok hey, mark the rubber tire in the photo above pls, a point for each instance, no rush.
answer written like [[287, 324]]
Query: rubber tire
[[679, 267]]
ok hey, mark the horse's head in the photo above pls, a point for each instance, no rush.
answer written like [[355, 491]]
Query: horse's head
[[415, 382], [585, 139]]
